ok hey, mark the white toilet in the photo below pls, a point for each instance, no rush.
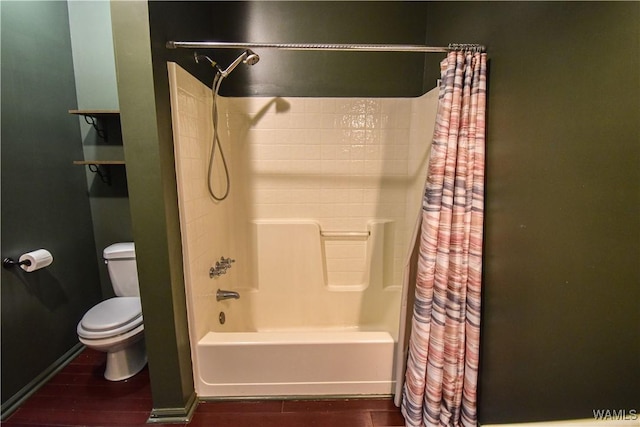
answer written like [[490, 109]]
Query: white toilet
[[115, 325]]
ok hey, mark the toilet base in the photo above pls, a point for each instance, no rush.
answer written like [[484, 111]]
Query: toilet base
[[125, 362]]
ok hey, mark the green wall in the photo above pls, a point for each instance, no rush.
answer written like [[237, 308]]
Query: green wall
[[146, 131], [561, 318], [93, 57], [96, 88], [44, 201]]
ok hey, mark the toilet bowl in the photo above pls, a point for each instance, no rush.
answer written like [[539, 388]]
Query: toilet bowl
[[115, 325]]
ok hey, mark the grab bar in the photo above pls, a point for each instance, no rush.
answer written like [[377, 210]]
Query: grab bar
[[345, 235]]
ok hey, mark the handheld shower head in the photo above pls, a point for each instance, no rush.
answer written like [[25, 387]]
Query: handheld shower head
[[252, 58], [248, 57]]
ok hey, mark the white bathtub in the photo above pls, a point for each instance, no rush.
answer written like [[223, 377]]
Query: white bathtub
[[303, 329], [295, 363]]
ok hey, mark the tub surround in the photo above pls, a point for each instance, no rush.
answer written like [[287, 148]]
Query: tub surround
[[325, 193]]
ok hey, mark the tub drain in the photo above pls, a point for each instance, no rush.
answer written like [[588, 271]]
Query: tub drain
[[222, 318]]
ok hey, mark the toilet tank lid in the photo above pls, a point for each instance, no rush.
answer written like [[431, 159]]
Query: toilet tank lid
[[119, 251]]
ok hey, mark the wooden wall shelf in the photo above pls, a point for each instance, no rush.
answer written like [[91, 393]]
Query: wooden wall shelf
[[100, 167], [98, 162], [95, 113]]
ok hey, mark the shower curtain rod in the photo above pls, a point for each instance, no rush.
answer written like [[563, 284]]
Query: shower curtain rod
[[325, 46]]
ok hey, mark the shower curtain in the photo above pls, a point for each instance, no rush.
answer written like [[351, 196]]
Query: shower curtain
[[442, 366]]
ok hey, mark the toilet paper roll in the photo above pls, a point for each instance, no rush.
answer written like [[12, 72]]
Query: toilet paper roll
[[37, 259]]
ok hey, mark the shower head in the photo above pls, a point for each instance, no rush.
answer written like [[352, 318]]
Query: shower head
[[248, 57], [252, 57]]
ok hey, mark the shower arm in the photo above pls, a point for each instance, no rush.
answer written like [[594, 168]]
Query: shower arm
[[324, 47], [233, 65]]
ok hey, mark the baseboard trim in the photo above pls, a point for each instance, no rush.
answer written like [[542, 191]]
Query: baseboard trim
[[589, 422], [14, 402], [174, 415]]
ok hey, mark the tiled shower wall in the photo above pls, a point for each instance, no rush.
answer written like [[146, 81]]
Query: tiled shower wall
[[202, 241], [341, 162]]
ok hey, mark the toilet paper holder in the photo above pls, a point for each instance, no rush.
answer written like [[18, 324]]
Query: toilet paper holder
[[30, 261], [9, 262]]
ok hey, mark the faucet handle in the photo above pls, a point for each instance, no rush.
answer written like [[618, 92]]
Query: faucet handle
[[225, 262], [221, 267]]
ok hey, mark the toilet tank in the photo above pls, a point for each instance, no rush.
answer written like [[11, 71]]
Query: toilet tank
[[123, 272]]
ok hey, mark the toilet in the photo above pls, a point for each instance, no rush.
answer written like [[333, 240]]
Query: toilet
[[115, 325]]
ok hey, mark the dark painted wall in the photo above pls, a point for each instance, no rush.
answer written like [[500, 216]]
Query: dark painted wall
[[312, 73], [44, 197], [109, 201], [96, 88], [561, 320]]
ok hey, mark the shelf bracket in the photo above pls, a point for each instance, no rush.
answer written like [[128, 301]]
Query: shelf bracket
[[104, 172], [102, 133]]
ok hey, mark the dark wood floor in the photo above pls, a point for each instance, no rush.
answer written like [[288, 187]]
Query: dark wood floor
[[79, 396]]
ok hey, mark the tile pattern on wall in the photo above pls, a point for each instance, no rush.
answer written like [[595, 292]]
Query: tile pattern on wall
[[340, 162], [202, 241]]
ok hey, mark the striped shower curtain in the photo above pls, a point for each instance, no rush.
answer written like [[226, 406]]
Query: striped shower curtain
[[442, 367]]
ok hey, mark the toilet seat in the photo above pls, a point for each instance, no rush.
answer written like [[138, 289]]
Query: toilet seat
[[111, 318]]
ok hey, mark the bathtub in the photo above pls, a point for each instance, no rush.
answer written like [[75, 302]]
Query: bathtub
[[304, 328], [295, 363]]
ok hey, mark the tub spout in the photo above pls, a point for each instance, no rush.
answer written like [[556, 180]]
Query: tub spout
[[222, 295]]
